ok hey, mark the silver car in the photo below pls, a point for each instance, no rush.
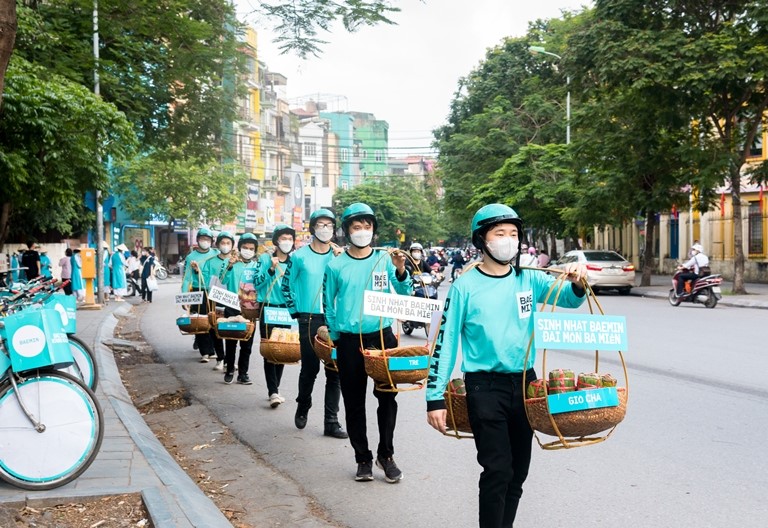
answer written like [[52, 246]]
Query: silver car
[[606, 270]]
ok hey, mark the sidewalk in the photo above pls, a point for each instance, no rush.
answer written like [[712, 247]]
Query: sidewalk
[[131, 459], [757, 296]]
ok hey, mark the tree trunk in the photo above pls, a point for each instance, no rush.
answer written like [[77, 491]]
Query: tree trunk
[[553, 246], [5, 216], [648, 259], [738, 234], [7, 38]]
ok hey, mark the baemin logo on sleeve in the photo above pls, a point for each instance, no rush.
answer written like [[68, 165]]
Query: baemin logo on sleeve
[[525, 304]]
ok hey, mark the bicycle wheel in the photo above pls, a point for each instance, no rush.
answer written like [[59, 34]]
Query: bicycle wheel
[[85, 366], [70, 441]]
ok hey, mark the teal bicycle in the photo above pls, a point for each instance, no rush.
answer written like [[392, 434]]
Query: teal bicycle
[[51, 425]]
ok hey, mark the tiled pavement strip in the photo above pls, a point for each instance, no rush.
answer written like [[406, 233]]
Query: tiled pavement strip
[[132, 460]]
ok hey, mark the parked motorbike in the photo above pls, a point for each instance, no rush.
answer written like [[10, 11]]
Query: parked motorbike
[[161, 273], [132, 285], [423, 286], [704, 290]]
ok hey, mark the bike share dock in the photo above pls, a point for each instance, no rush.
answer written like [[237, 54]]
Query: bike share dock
[[131, 459]]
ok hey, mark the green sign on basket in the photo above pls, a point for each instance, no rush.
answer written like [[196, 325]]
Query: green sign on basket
[[408, 363], [583, 399]]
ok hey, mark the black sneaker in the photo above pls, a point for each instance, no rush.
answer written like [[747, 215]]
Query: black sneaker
[[300, 420], [392, 473], [243, 379], [228, 377], [364, 472], [334, 430]]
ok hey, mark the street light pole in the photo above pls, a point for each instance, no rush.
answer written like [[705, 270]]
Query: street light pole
[[535, 50]]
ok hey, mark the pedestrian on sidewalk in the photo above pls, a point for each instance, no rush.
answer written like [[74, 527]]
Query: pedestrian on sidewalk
[[30, 259], [78, 285], [218, 267], [239, 271], [347, 277], [106, 268], [45, 263], [194, 281], [118, 273], [268, 280], [302, 286], [147, 271], [65, 263], [494, 340]]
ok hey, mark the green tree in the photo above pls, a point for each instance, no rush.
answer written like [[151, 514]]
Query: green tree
[[53, 135], [164, 186], [298, 23], [7, 38], [703, 62], [399, 205]]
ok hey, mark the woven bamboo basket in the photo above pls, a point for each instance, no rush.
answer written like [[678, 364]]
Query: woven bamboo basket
[[575, 428], [457, 421], [196, 325], [280, 352], [237, 335], [252, 314], [323, 351], [579, 423], [377, 365]]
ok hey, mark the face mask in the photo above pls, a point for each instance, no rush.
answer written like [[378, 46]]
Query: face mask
[[204, 244], [247, 254], [361, 238], [416, 255], [324, 234], [503, 249], [285, 246], [225, 249]]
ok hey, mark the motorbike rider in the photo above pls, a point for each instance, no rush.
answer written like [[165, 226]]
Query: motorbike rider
[[416, 264], [697, 261]]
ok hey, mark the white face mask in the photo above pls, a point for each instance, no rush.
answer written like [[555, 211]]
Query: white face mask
[[204, 244], [324, 234], [247, 254], [225, 249], [416, 255], [285, 246], [361, 238], [503, 249]]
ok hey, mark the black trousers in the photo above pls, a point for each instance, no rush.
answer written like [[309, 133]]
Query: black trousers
[[683, 278], [205, 342], [146, 293], [310, 366], [354, 381], [503, 440], [230, 350], [273, 372]]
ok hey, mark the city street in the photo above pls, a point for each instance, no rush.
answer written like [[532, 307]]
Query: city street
[[685, 455]]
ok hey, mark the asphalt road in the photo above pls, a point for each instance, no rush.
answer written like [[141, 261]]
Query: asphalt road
[[687, 455]]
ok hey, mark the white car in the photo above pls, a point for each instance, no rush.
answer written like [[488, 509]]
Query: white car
[[606, 270]]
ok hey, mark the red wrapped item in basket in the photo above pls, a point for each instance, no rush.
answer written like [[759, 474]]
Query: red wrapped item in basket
[[561, 380], [588, 381]]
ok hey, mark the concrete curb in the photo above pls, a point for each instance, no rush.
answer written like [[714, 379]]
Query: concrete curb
[[739, 302], [181, 503]]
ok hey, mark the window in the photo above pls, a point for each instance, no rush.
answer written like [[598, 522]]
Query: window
[[755, 229], [345, 185], [379, 156], [344, 155], [756, 150], [310, 149], [364, 155]]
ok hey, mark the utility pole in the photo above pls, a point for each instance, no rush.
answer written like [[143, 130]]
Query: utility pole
[[99, 207]]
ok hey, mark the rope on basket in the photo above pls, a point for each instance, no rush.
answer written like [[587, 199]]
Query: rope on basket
[[557, 286], [391, 385]]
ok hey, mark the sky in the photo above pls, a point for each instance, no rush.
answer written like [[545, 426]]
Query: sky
[[405, 74]]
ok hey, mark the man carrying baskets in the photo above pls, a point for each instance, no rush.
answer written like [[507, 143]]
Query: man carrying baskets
[[302, 284], [494, 341], [347, 277], [240, 271], [219, 266], [193, 266], [267, 279]]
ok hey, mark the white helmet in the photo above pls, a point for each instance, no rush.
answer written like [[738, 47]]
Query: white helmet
[[416, 246], [697, 247]]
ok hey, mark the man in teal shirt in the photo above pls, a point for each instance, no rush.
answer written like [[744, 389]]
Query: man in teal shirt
[[240, 270], [489, 312], [218, 267], [347, 278], [193, 268], [302, 286]]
